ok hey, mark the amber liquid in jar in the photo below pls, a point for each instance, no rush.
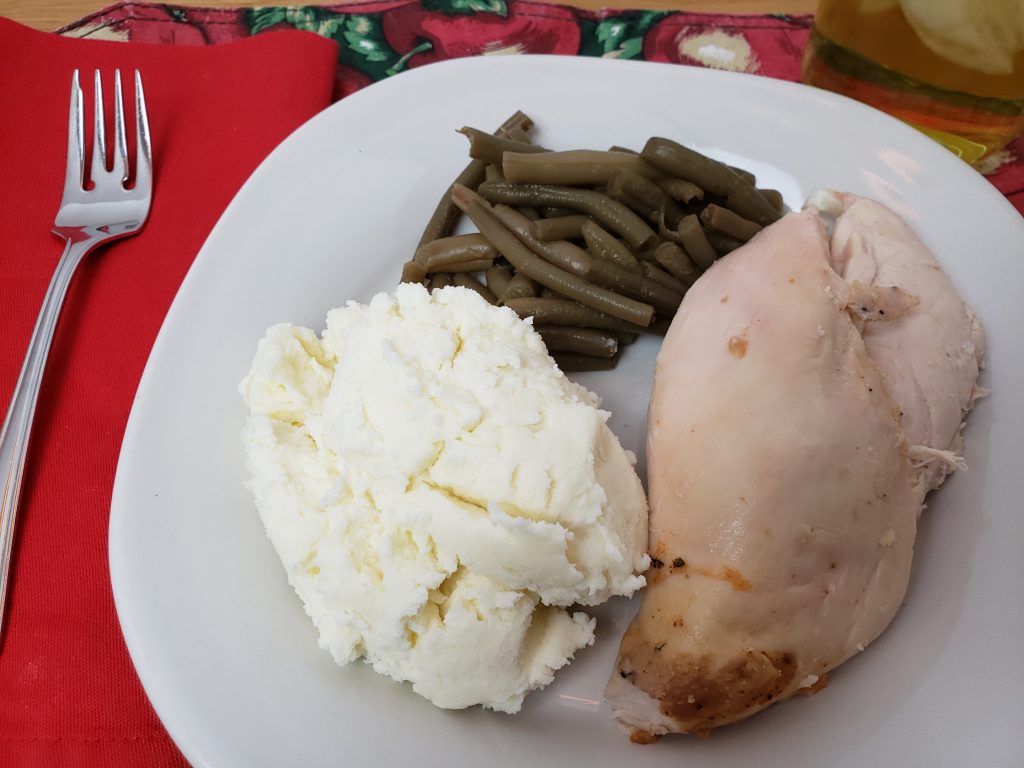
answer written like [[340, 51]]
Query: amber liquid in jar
[[868, 50]]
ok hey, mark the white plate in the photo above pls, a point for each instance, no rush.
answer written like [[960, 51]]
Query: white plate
[[221, 643]]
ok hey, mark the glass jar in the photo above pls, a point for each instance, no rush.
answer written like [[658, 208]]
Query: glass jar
[[951, 68]]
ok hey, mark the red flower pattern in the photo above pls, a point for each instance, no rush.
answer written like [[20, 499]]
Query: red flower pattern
[[379, 38], [777, 43], [527, 28]]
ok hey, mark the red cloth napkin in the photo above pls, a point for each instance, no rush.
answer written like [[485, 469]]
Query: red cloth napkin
[[68, 692]]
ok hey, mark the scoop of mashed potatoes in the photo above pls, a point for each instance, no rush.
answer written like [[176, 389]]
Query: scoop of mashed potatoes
[[440, 493]]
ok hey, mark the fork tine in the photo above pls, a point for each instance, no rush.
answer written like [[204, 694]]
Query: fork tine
[[99, 140], [144, 171], [120, 142], [76, 139]]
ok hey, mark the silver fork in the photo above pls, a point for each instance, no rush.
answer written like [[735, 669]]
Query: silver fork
[[86, 219]]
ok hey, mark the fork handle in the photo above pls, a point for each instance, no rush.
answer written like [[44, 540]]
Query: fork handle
[[14, 436]]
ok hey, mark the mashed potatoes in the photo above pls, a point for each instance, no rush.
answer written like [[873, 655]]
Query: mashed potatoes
[[440, 494]]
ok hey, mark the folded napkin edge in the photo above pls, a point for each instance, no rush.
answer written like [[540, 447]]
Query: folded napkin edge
[[270, 37]]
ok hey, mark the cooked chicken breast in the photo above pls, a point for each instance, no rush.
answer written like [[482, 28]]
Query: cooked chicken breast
[[784, 490], [930, 358]]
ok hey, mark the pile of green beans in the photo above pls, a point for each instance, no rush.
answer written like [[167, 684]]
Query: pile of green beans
[[596, 246]]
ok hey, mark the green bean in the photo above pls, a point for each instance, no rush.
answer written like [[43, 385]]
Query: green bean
[[413, 272], [519, 120], [605, 246], [612, 214], [681, 190], [575, 167], [489, 148], [722, 244], [493, 173], [518, 133], [446, 214], [659, 275], [585, 341], [561, 311], [693, 238], [774, 197], [439, 280], [477, 265], [521, 287], [547, 293], [627, 150], [674, 259], [560, 228], [466, 280], [570, 362], [530, 212], [744, 174], [653, 215], [561, 253], [577, 261], [625, 185], [553, 212], [497, 279], [726, 222], [685, 163], [527, 262], [712, 176], [647, 254], [626, 338], [610, 275], [441, 255]]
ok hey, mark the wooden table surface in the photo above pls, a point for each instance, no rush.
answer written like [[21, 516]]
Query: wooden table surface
[[51, 14]]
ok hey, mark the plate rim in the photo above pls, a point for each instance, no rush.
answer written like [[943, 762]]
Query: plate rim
[[117, 550]]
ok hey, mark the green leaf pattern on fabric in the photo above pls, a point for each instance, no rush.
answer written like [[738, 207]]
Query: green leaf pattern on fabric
[[363, 36], [265, 18], [363, 46], [309, 19], [360, 36], [621, 36], [466, 7]]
